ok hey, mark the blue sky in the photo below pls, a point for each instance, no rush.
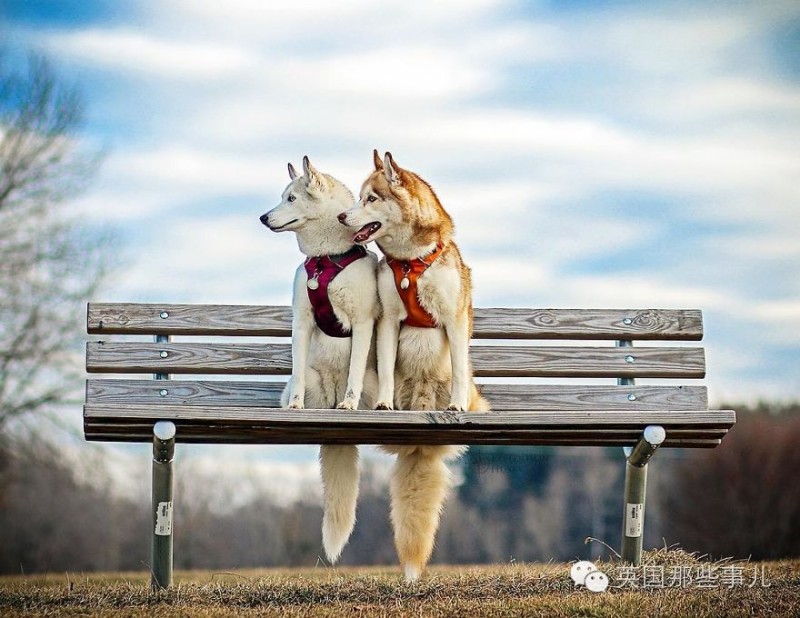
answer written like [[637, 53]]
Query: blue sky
[[592, 154]]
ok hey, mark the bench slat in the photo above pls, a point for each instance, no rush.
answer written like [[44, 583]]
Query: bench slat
[[424, 420], [489, 361], [501, 396], [490, 323], [277, 425], [637, 324], [242, 434]]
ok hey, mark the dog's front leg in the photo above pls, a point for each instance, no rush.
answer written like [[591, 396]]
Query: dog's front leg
[[302, 326], [458, 336], [388, 334], [359, 351]]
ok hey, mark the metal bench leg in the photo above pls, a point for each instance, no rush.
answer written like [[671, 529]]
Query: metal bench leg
[[636, 491], [163, 454]]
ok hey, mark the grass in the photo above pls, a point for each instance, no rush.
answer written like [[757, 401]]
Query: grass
[[504, 590]]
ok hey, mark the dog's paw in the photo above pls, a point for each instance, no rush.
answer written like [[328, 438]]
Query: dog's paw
[[382, 405], [454, 407], [347, 404], [295, 404]]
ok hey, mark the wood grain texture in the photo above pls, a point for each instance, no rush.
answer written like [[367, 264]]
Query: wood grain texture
[[145, 319], [501, 396], [635, 324], [280, 426], [490, 323], [243, 434], [415, 420], [489, 361]]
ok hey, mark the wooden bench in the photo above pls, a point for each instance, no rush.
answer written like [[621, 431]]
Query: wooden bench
[[573, 412]]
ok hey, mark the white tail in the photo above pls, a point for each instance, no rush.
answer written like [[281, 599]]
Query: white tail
[[419, 485], [340, 476]]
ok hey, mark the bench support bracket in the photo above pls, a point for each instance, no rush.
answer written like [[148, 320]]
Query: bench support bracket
[[163, 455], [636, 491]]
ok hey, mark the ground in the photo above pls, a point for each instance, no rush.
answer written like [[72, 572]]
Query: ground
[[671, 583]]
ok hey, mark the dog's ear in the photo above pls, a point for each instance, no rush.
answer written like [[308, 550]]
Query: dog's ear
[[391, 169], [292, 172], [314, 180], [376, 160]]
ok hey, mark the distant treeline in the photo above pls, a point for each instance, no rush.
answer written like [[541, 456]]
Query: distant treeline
[[513, 504]]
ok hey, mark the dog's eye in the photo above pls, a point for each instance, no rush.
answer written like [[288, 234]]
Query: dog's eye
[[371, 198], [291, 198]]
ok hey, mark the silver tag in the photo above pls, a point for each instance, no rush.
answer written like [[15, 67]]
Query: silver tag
[[312, 284], [404, 283]]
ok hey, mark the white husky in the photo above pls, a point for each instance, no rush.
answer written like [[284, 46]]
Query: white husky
[[335, 305], [423, 338]]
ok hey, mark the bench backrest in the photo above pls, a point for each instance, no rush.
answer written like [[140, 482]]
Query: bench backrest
[[525, 343]]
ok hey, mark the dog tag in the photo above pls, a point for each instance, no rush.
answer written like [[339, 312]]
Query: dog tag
[[313, 284], [404, 283]]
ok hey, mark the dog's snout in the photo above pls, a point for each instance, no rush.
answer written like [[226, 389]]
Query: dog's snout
[[342, 217], [263, 218]]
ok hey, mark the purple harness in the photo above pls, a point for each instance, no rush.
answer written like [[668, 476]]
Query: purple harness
[[321, 270]]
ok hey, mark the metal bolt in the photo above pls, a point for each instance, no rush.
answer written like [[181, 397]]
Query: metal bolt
[[631, 397], [629, 359], [164, 354], [164, 315], [163, 392], [626, 321]]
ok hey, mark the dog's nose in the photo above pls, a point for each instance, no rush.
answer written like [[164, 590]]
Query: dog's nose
[[263, 218], [342, 216]]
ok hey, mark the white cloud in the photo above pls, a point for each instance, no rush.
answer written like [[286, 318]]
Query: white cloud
[[669, 44], [344, 20], [143, 52], [393, 72], [225, 258], [726, 96], [196, 169]]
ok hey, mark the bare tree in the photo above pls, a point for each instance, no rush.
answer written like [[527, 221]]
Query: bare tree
[[50, 262]]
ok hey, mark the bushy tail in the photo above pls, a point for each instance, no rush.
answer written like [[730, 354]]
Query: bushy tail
[[419, 485], [340, 476]]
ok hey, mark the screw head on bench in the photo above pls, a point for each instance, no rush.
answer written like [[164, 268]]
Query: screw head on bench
[[163, 354], [625, 321], [631, 397], [164, 315], [163, 392], [629, 359]]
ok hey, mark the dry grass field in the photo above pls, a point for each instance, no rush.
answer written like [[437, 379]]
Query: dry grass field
[[671, 583]]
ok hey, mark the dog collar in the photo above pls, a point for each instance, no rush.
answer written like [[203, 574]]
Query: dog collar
[[406, 274], [321, 270]]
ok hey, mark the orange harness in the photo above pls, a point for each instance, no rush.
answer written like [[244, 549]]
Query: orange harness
[[406, 274]]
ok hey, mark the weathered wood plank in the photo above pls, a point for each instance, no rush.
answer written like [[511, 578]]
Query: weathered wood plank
[[591, 397], [411, 420], [490, 361], [146, 319], [636, 324], [501, 396], [490, 323], [243, 434], [569, 362]]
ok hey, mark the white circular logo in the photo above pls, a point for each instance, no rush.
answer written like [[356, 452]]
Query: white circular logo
[[580, 570], [596, 581]]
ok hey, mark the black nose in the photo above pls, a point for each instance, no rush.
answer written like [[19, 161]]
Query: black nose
[[263, 219], [342, 216]]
